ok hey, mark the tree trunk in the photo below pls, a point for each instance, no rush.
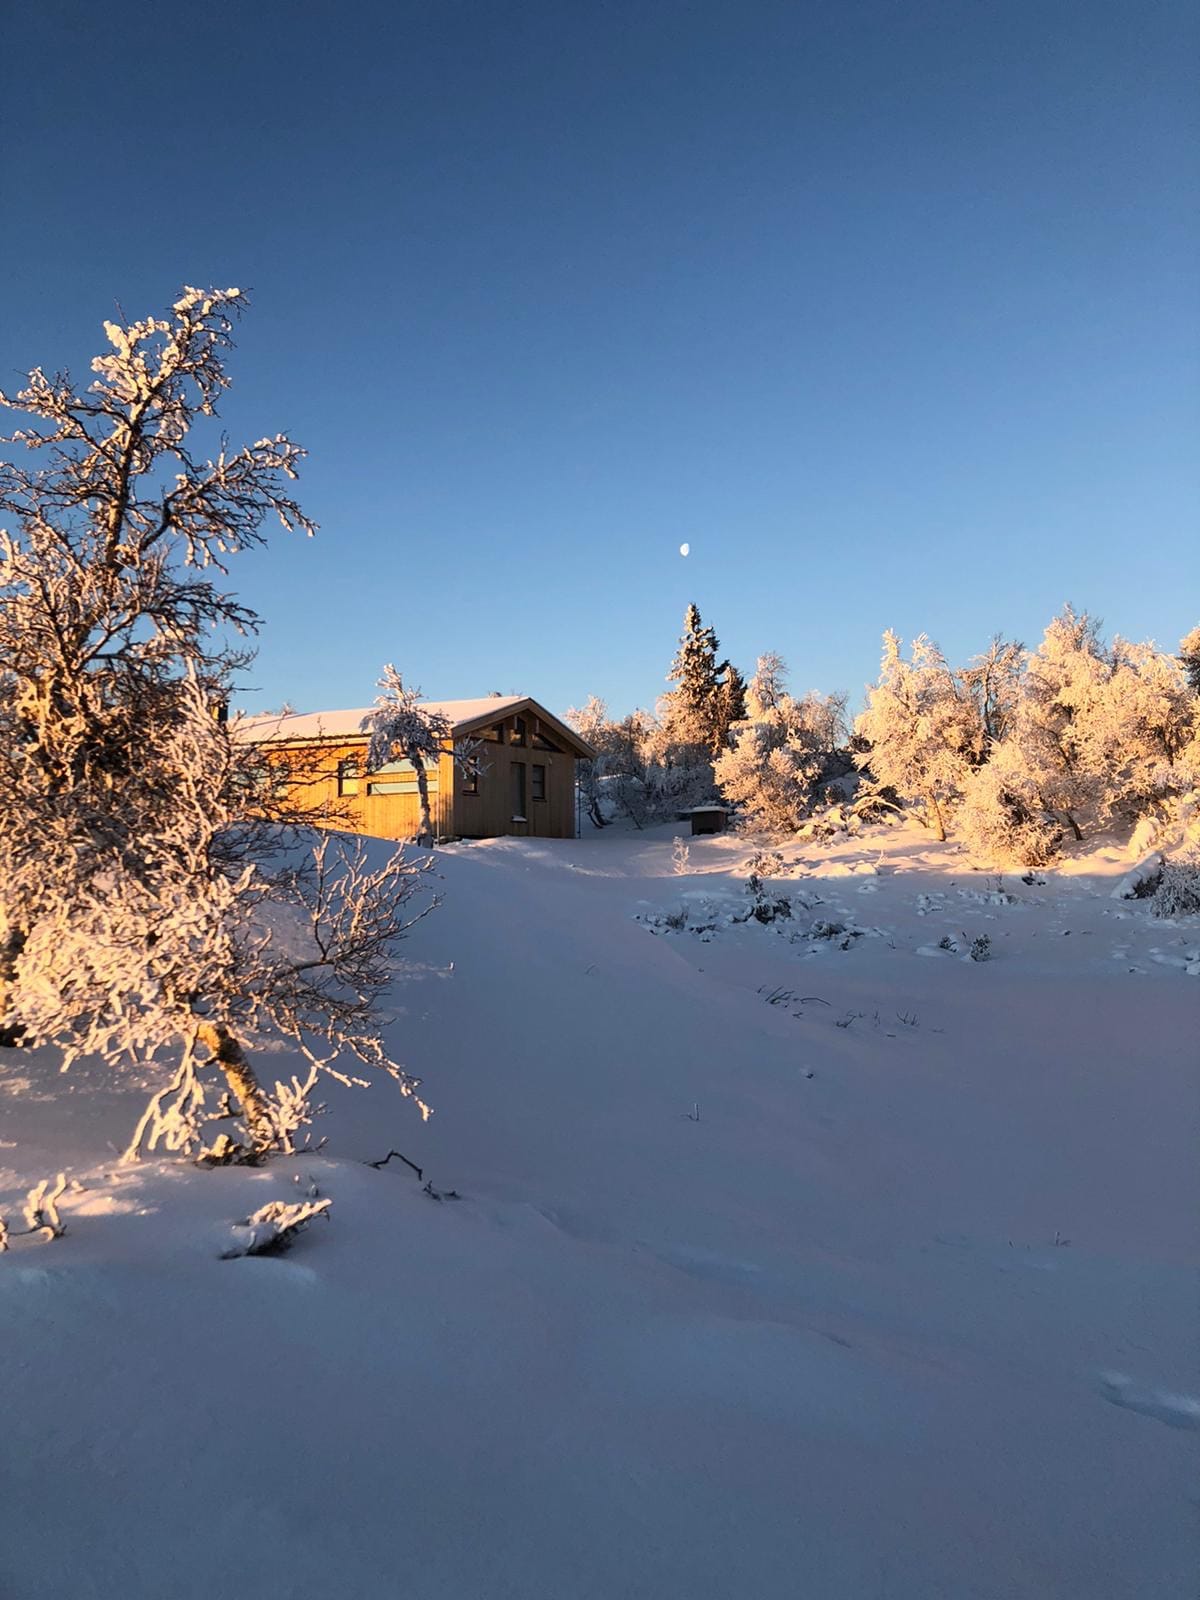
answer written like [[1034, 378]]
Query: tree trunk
[[425, 837], [939, 826], [1074, 826], [239, 1075], [11, 1037]]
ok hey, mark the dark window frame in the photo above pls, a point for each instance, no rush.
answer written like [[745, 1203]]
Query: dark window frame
[[518, 789], [349, 777], [538, 779]]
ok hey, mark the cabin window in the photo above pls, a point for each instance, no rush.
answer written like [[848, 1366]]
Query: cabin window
[[348, 776], [516, 732], [400, 777], [494, 734], [518, 790], [537, 783], [470, 782]]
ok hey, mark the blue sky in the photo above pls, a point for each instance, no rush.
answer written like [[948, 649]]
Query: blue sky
[[889, 310]]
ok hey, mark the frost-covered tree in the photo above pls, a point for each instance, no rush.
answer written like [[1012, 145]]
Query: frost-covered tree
[[1136, 729], [593, 722], [780, 753], [1054, 726], [994, 680], [1002, 818], [403, 730], [634, 774], [768, 686], [709, 695], [153, 903], [923, 730]]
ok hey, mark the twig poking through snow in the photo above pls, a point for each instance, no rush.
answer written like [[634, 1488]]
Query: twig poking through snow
[[379, 1164]]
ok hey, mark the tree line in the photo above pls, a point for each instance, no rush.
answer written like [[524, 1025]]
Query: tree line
[[1016, 753]]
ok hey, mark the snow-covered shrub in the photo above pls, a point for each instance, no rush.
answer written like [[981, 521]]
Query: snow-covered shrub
[[1177, 893], [765, 906], [765, 864], [275, 1227], [1000, 819], [680, 856]]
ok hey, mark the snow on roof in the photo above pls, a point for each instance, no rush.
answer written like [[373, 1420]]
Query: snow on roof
[[356, 723]]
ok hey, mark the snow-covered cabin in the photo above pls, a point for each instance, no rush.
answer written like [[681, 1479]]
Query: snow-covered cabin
[[521, 781]]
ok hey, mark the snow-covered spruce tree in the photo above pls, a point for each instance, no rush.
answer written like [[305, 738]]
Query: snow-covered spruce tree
[[781, 751], [403, 730], [153, 901], [923, 729], [1189, 659], [708, 696], [693, 721]]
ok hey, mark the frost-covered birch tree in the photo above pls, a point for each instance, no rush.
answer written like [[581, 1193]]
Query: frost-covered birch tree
[[923, 729], [781, 750], [404, 730], [157, 903]]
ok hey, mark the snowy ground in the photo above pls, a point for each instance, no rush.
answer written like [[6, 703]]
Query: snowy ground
[[780, 1268]]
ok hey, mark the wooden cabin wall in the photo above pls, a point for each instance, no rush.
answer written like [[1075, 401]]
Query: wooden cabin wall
[[489, 814], [313, 784]]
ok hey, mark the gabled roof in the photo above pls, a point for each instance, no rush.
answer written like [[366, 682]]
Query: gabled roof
[[464, 716]]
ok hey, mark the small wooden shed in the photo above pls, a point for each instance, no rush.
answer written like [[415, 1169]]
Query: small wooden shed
[[522, 780]]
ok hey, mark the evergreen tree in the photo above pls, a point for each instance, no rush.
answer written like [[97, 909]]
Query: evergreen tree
[[1189, 656], [730, 706], [710, 696]]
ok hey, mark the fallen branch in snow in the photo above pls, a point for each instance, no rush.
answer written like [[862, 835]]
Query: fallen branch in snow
[[275, 1227], [380, 1164], [40, 1212]]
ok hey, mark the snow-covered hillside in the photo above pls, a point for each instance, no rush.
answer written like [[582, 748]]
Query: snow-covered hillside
[[800, 1257]]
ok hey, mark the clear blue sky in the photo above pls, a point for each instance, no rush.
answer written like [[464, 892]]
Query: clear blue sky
[[888, 309]]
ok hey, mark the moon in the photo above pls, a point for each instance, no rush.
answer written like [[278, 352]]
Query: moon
[[685, 549]]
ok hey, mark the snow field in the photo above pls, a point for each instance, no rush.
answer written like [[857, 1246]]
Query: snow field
[[780, 1267]]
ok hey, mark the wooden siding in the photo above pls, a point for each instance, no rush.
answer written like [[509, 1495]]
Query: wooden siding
[[312, 779], [490, 813]]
